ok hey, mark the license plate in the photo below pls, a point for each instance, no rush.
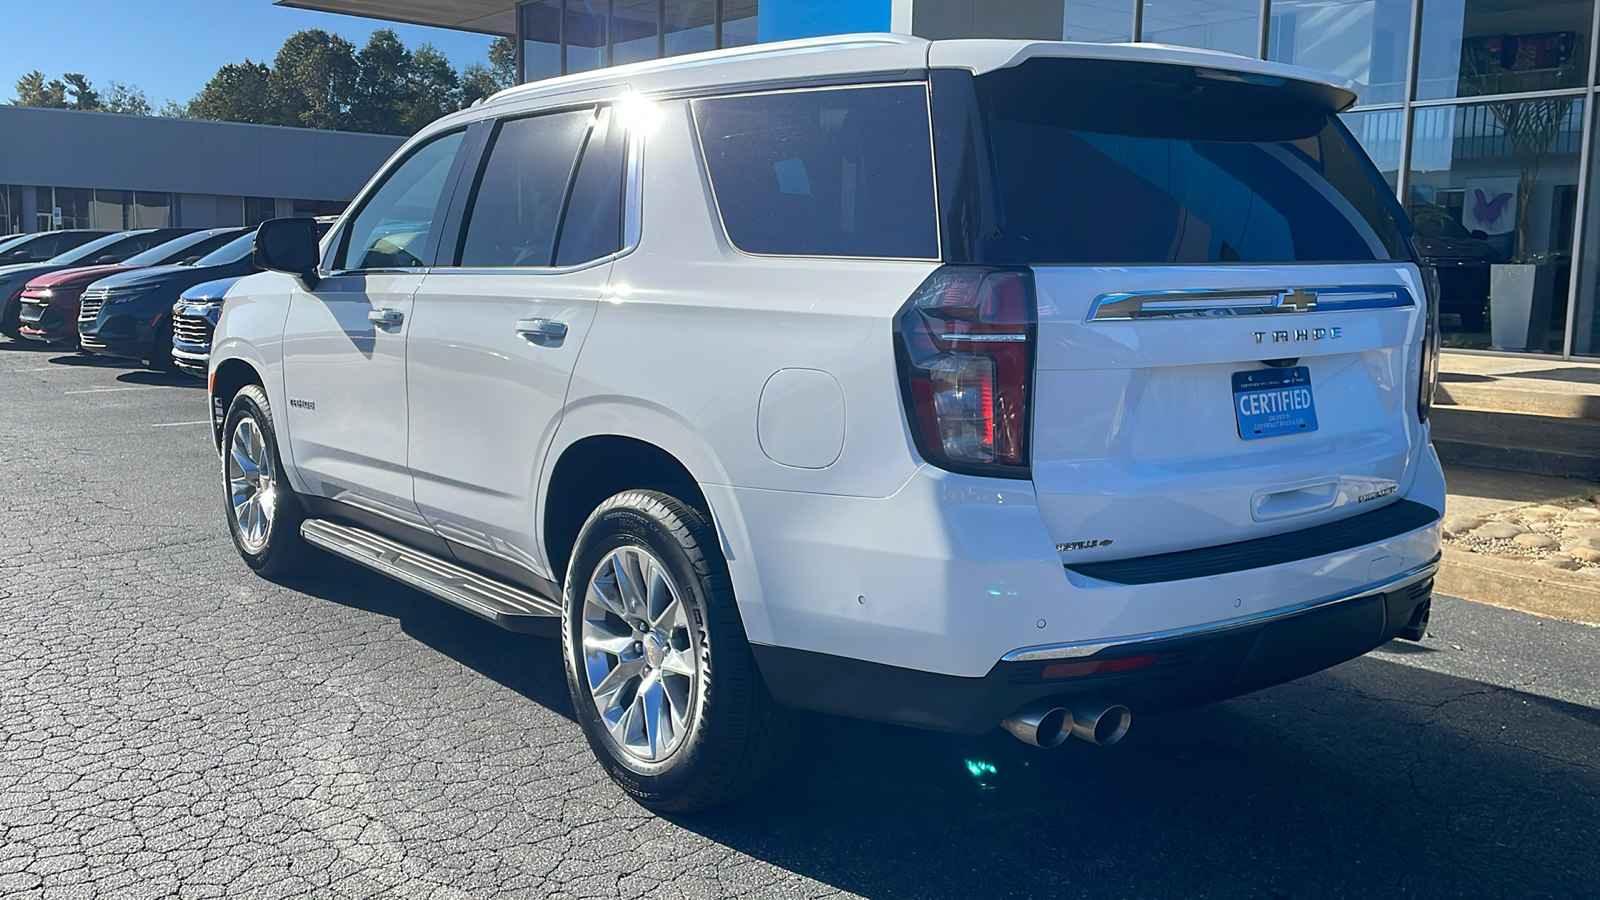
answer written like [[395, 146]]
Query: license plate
[[1274, 402]]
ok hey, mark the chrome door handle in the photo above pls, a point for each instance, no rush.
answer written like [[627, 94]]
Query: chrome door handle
[[544, 332], [386, 318]]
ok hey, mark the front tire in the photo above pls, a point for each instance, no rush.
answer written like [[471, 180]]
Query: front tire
[[161, 349], [661, 675], [264, 515]]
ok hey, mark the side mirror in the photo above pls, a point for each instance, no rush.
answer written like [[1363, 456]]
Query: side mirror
[[289, 246]]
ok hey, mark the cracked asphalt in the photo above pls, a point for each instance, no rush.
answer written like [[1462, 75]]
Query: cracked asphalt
[[171, 725]]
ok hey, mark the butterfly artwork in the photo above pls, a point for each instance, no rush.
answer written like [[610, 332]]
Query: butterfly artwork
[[1490, 209], [1489, 205]]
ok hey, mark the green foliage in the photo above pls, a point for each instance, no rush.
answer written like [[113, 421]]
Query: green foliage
[[73, 91], [33, 90], [317, 80], [313, 81], [127, 99], [479, 81], [237, 93]]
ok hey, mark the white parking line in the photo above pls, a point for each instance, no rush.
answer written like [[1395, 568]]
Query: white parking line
[[140, 387], [176, 424]]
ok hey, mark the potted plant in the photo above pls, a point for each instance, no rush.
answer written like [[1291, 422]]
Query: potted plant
[[1520, 289]]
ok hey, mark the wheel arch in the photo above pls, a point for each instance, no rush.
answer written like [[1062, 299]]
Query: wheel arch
[[226, 380], [597, 466]]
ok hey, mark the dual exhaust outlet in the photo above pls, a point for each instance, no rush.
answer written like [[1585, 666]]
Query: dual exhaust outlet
[[1047, 723]]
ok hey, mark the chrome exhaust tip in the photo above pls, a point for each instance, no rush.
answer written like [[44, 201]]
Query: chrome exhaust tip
[[1100, 722], [1042, 724]]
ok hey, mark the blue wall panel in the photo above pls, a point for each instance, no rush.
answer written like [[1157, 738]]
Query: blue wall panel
[[782, 20]]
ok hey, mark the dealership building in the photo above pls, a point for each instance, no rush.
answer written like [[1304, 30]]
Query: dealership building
[[63, 168], [1480, 113]]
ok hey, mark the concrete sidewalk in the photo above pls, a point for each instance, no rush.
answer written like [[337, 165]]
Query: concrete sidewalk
[[1510, 539]]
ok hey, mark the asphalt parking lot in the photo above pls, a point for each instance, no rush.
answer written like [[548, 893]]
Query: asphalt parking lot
[[172, 725]]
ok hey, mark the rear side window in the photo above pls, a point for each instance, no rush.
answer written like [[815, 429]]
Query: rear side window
[[593, 225], [1145, 170], [513, 217], [834, 172]]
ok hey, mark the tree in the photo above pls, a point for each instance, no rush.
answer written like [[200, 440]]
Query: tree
[[434, 89], [127, 98], [33, 90], [172, 109], [237, 93], [381, 85], [83, 95], [313, 81], [479, 81]]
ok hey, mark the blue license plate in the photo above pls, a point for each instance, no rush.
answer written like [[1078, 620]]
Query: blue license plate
[[1274, 402]]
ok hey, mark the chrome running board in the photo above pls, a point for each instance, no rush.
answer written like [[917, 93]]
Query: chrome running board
[[512, 608]]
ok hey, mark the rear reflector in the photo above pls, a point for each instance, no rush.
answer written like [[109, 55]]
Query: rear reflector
[[1100, 666]]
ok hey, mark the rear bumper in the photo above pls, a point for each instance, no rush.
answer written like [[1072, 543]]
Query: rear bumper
[[1190, 666]]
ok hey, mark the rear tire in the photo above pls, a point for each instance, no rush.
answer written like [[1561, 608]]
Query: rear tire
[[264, 514], [661, 675]]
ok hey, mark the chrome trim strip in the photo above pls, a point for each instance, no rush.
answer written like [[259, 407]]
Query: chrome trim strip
[[1076, 651], [1192, 304]]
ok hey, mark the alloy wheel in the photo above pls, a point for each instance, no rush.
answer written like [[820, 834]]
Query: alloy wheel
[[641, 657], [252, 484]]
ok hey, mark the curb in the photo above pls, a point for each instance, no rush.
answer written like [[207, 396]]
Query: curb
[[1524, 586]]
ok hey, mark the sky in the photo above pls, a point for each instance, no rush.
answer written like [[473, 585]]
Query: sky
[[171, 48]]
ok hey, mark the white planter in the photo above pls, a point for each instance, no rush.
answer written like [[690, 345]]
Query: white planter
[[1519, 305]]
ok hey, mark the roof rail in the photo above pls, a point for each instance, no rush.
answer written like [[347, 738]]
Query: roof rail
[[776, 48]]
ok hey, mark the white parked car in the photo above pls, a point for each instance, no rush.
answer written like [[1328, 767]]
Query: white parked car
[[955, 384]]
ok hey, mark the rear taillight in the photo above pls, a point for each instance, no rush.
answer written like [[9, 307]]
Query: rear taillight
[[965, 346], [1430, 344]]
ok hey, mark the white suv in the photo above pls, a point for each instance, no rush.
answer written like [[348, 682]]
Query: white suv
[[952, 384]]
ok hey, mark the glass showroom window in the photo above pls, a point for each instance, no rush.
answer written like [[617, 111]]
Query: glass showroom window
[[1097, 21], [633, 30], [151, 210], [539, 33], [1379, 134], [10, 209], [1482, 47], [1230, 25], [112, 208], [738, 23], [1493, 195], [691, 26], [1586, 324], [76, 205], [1363, 40], [584, 35]]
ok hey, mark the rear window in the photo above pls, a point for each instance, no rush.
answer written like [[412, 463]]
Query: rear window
[[1175, 165], [834, 172]]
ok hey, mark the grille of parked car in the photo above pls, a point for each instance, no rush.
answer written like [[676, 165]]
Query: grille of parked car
[[89, 304], [192, 330]]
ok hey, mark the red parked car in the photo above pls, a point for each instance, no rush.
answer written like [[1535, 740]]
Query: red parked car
[[50, 302]]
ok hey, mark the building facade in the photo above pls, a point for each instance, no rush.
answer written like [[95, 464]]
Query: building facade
[[71, 169], [1480, 113]]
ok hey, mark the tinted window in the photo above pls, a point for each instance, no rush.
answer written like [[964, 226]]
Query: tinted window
[[512, 219], [593, 224], [177, 250], [235, 251], [843, 172], [1208, 171], [396, 226], [112, 248]]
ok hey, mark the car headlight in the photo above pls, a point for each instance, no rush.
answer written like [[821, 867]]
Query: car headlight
[[46, 293], [123, 296]]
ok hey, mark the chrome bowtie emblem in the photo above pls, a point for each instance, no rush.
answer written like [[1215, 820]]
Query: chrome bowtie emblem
[[1299, 300]]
